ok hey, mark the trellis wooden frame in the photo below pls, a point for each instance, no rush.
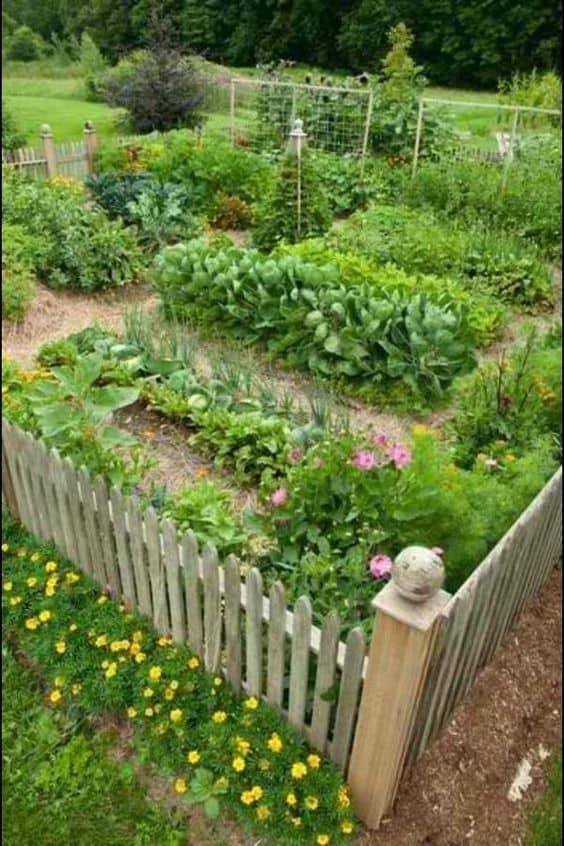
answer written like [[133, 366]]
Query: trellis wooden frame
[[422, 661]]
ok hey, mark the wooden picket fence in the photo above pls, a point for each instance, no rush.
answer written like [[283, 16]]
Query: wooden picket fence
[[386, 704], [73, 159]]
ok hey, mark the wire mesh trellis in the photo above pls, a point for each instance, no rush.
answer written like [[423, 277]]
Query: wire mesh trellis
[[497, 135], [262, 113]]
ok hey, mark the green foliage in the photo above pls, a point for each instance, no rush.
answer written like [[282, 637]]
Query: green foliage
[[162, 216], [115, 190], [18, 288], [308, 315], [504, 406], [540, 90], [419, 242], [56, 353], [277, 218], [92, 65], [204, 791], [545, 820], [24, 45], [74, 246], [205, 509], [59, 778], [231, 213], [188, 698], [346, 185], [12, 138]]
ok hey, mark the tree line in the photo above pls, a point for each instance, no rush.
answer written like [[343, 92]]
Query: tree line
[[462, 42]]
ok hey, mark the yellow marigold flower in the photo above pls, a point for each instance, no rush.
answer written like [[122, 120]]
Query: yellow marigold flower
[[155, 673], [291, 800], [102, 599], [322, 839], [251, 703], [263, 813], [32, 623], [105, 664], [140, 657], [148, 692], [50, 590], [274, 743], [137, 636], [149, 712], [73, 627], [193, 663], [242, 745], [247, 797], [34, 557], [313, 761], [180, 785], [296, 821], [164, 641], [162, 728], [60, 647], [219, 716], [193, 756], [135, 649], [176, 715], [238, 764], [76, 688], [173, 685], [217, 681], [55, 696], [112, 670], [115, 645], [101, 640], [169, 694], [347, 827], [71, 578], [5, 547], [131, 713], [157, 709], [343, 798], [31, 582], [15, 600], [299, 770], [51, 566], [311, 803], [22, 553], [7, 586], [58, 681]]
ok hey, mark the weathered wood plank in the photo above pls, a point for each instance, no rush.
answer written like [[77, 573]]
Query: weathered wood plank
[[253, 630], [212, 609], [192, 586], [66, 539], [349, 695], [107, 540], [122, 548], [92, 530], [299, 666], [233, 622], [276, 646], [138, 557], [157, 574], [174, 582], [76, 515], [325, 678]]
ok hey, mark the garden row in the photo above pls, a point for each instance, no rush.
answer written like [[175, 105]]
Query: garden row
[[334, 505]]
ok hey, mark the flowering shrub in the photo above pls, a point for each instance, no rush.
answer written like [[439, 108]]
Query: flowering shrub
[[98, 657]]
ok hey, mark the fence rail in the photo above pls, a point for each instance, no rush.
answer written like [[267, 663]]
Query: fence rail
[[70, 158], [373, 713]]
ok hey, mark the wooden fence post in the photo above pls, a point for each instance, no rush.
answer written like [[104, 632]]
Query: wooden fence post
[[48, 149], [90, 144], [408, 610]]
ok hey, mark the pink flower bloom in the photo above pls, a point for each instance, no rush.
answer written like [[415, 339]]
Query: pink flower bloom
[[380, 439], [437, 550], [400, 455], [295, 455], [380, 566], [279, 497], [364, 460]]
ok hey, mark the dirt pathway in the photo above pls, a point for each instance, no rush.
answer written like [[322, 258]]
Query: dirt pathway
[[457, 793]]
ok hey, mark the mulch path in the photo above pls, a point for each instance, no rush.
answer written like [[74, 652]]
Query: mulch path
[[457, 794]]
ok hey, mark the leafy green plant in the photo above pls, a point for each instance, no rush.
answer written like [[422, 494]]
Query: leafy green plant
[[12, 138], [18, 288], [162, 216], [231, 213], [205, 509], [114, 190], [205, 790], [277, 218], [55, 353], [539, 90]]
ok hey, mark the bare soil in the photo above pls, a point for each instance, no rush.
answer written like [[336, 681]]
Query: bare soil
[[457, 793]]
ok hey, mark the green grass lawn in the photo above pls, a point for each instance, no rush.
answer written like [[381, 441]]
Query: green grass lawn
[[60, 787], [545, 821]]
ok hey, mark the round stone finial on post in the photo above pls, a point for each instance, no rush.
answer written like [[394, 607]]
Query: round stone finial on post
[[45, 129], [418, 573], [88, 126], [297, 137]]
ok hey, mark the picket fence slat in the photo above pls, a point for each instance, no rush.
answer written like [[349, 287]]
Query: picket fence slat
[[190, 560], [92, 528], [233, 622], [254, 632], [212, 609], [122, 548], [299, 667], [276, 646], [174, 582], [156, 571], [109, 551], [326, 667]]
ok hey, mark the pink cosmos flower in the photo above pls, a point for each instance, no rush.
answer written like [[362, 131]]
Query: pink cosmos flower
[[279, 497], [437, 550], [380, 439], [400, 455], [364, 459], [380, 566], [295, 455]]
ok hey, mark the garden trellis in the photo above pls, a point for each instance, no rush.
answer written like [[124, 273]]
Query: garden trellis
[[335, 119], [422, 660], [495, 138]]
